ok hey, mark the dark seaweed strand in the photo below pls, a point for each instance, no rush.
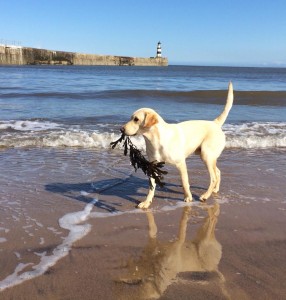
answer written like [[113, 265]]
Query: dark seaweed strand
[[138, 161], [114, 144]]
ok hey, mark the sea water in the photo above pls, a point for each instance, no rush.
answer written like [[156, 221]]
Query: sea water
[[56, 125], [85, 106]]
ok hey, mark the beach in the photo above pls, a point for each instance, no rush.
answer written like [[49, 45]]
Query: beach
[[249, 234], [69, 226]]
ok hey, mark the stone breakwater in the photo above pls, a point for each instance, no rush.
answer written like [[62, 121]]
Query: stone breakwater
[[13, 55]]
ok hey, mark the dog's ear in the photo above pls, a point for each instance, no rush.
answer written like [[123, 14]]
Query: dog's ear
[[150, 120]]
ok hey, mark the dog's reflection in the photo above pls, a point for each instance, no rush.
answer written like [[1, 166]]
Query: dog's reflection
[[160, 262]]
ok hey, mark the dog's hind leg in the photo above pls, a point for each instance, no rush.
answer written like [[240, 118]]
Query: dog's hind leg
[[216, 188], [211, 166]]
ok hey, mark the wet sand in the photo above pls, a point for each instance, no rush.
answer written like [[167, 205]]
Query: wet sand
[[231, 247]]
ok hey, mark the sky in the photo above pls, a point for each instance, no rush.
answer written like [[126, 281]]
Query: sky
[[192, 32]]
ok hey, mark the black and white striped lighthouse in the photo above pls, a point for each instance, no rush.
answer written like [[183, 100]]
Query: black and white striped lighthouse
[[159, 50]]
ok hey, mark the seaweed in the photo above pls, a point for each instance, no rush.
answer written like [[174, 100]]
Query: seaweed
[[138, 161]]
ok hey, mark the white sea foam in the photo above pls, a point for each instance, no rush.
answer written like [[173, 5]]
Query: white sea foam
[[179, 204], [70, 222], [4, 229], [245, 136], [256, 135], [26, 125], [84, 139], [76, 224], [18, 255]]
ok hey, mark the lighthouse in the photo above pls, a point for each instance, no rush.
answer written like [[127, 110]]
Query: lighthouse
[[159, 50]]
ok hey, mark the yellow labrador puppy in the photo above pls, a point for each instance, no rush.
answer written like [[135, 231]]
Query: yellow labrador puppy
[[173, 143]]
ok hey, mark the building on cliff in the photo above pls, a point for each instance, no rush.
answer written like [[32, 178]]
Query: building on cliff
[[17, 55]]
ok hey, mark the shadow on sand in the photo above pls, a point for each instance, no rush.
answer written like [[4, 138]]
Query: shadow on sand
[[127, 189]]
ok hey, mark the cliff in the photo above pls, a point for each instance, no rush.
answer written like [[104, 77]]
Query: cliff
[[12, 55]]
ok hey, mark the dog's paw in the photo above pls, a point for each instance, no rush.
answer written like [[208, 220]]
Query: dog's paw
[[204, 197], [216, 190], [144, 204], [188, 199]]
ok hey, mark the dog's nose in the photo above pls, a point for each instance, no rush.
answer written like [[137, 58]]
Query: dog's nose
[[122, 129]]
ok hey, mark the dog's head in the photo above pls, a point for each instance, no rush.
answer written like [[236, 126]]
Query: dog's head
[[141, 121]]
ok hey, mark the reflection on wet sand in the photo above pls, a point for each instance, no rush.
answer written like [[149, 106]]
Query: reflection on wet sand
[[161, 262]]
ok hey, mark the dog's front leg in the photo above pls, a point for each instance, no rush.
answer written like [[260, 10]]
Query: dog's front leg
[[150, 195], [182, 167]]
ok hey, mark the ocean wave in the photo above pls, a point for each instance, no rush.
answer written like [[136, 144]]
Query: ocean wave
[[28, 125], [256, 98], [252, 135], [255, 135], [62, 138]]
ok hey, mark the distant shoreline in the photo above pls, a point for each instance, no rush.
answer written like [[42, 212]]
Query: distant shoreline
[[16, 55]]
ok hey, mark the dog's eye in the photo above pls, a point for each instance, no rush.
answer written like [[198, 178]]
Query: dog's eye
[[136, 119]]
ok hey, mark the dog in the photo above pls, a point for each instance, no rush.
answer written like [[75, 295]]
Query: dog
[[173, 143], [160, 263]]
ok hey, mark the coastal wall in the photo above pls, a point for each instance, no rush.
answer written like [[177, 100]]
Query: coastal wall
[[13, 55]]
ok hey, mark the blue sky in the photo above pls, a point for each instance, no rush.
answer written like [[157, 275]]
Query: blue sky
[[199, 32]]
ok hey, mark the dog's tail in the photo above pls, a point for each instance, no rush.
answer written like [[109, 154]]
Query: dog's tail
[[221, 119]]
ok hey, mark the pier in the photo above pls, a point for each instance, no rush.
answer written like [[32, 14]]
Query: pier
[[18, 55]]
